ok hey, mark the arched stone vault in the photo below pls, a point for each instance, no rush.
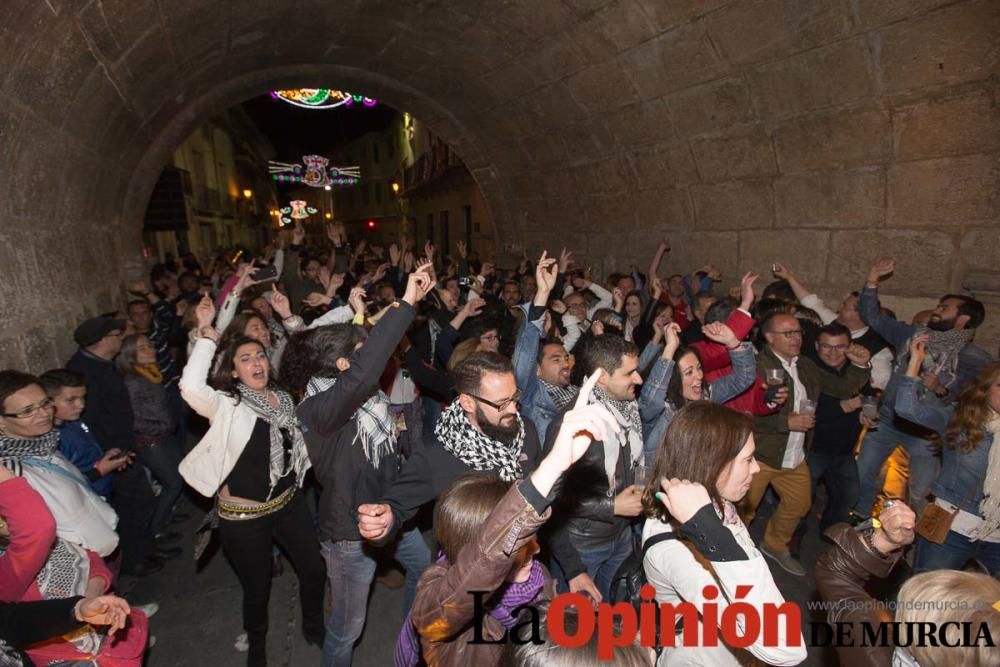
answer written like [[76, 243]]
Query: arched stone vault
[[820, 132]]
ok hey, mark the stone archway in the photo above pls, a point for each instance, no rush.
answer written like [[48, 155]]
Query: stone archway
[[827, 131]]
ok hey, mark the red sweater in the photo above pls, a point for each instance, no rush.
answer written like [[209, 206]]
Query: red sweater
[[32, 532], [715, 363]]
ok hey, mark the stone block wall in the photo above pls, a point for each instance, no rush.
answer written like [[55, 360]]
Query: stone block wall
[[822, 133]]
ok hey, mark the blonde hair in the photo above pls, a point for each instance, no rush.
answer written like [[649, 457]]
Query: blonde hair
[[952, 596]]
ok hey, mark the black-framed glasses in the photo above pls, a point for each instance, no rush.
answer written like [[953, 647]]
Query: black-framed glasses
[[828, 347], [502, 405], [30, 411]]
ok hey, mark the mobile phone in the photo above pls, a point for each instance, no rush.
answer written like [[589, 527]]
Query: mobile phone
[[465, 282], [265, 274]]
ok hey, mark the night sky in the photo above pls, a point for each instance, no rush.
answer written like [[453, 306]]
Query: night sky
[[295, 132]]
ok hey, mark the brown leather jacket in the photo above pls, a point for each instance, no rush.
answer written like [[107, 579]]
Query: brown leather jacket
[[443, 608], [841, 575]]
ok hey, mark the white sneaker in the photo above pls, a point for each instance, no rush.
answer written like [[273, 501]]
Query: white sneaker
[[242, 643], [148, 609]]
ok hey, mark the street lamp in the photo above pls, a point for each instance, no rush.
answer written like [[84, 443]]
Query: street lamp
[[395, 187], [248, 193]]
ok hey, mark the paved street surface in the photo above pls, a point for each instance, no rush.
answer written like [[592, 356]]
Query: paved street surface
[[199, 617]]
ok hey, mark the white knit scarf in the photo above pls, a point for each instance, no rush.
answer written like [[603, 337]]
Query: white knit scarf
[[476, 449], [989, 507], [376, 428], [626, 413]]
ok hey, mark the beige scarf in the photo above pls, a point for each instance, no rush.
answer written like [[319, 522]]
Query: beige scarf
[[989, 508]]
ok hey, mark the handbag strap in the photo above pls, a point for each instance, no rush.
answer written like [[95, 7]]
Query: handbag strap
[[654, 540]]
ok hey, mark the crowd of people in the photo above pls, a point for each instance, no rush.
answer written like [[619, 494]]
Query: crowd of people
[[569, 432]]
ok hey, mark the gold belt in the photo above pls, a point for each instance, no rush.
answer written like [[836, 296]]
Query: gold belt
[[242, 512]]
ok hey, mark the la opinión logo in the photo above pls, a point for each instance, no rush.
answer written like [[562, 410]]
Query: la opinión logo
[[740, 624]]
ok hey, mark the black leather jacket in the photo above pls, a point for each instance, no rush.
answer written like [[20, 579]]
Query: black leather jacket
[[583, 515]]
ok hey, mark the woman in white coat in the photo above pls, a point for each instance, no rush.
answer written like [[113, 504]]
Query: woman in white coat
[[253, 460], [703, 467]]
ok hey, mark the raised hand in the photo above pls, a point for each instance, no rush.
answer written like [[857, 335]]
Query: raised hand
[[657, 288], [682, 498], [672, 336], [473, 307], [279, 302], [380, 272], [395, 254], [746, 289], [420, 283], [663, 247], [720, 333], [780, 271], [619, 298], [357, 300], [429, 250], [205, 312], [317, 300], [881, 269], [463, 250], [897, 528], [336, 281], [858, 355], [324, 276], [565, 257], [545, 275]]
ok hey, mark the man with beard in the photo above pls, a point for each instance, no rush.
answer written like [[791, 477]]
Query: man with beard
[[597, 503], [481, 431], [542, 367], [952, 360]]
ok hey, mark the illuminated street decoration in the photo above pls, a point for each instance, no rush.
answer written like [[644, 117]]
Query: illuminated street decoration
[[315, 171], [321, 98], [298, 210]]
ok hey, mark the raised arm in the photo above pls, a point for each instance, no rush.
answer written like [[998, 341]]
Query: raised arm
[[654, 264], [194, 380], [894, 332]]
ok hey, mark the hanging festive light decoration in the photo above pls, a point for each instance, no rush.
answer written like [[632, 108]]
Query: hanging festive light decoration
[[297, 210], [315, 171], [321, 98]]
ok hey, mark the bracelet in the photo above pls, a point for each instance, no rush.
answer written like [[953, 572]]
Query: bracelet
[[868, 536]]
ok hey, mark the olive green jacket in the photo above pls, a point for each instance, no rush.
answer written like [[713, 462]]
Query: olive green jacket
[[771, 432]]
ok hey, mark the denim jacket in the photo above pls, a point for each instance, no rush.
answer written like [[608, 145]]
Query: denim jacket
[[962, 472], [536, 404], [971, 359], [657, 412]]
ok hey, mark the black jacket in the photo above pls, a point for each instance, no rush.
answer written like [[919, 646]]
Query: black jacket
[[339, 462], [583, 515], [430, 471], [109, 408]]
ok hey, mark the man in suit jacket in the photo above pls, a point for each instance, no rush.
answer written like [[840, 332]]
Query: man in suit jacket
[[783, 437]]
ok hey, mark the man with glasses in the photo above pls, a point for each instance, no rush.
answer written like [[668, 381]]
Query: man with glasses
[[783, 438], [598, 500], [109, 415], [480, 432]]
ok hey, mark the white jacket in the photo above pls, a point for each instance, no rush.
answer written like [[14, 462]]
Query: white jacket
[[208, 465], [671, 567]]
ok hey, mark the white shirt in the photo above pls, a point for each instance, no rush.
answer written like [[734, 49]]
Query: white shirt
[[965, 523], [795, 450]]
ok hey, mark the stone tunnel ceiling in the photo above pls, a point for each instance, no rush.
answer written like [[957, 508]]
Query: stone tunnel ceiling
[[821, 132]]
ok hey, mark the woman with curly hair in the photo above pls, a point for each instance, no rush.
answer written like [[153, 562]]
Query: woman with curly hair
[[968, 486]]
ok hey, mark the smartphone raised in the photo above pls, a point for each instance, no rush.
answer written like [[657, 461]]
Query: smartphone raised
[[265, 274]]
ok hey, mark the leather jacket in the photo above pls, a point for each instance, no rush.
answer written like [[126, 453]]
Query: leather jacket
[[584, 510], [841, 575], [443, 608]]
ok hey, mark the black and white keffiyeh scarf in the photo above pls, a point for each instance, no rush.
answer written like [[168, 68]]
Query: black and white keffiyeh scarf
[[476, 449], [626, 413], [561, 396], [19, 448], [282, 417], [376, 427], [943, 349]]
